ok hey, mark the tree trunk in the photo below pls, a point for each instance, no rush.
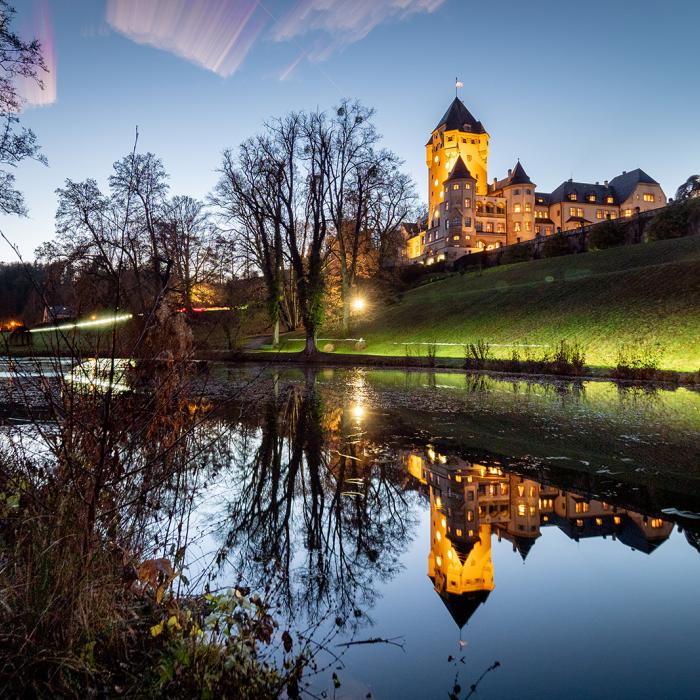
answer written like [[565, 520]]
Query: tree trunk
[[276, 333], [310, 348], [345, 298]]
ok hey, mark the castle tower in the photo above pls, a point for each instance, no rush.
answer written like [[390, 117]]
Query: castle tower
[[457, 134]]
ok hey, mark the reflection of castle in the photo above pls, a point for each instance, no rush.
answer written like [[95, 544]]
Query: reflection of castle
[[470, 502]]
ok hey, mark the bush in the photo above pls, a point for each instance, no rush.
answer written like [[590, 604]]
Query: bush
[[328, 347], [608, 234], [555, 246], [638, 360], [476, 355], [675, 221]]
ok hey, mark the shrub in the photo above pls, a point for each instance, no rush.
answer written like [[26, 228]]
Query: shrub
[[328, 347], [360, 344], [477, 354], [556, 246], [674, 221], [608, 234], [431, 353], [638, 360], [569, 358]]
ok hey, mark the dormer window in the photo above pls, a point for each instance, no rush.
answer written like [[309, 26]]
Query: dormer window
[[591, 198], [609, 199], [572, 197], [455, 187]]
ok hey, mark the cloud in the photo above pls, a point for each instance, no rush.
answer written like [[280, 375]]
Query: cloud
[[215, 34], [42, 29], [344, 22]]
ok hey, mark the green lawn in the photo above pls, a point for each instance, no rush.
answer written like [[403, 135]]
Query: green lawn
[[647, 293]]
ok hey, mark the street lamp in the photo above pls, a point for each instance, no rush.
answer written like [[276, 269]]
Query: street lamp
[[358, 304]]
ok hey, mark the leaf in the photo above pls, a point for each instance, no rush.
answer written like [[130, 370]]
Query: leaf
[[287, 641], [184, 579], [159, 593], [336, 680], [157, 629]]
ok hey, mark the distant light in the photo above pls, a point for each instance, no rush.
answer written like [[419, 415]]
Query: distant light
[[93, 317], [358, 304], [110, 320]]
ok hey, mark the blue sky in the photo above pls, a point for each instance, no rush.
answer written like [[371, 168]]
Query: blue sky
[[572, 89]]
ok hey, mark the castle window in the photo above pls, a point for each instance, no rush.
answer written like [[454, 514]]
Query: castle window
[[467, 186], [528, 207], [489, 227], [548, 230], [516, 191], [591, 198], [613, 215], [467, 203], [609, 199], [516, 208], [455, 238], [467, 222], [528, 226], [516, 227], [436, 182], [464, 140], [455, 187], [648, 197], [599, 214], [469, 159], [450, 138], [528, 191], [627, 212], [572, 197], [479, 227], [501, 228]]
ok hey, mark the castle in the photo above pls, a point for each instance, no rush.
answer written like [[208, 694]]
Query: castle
[[468, 214]]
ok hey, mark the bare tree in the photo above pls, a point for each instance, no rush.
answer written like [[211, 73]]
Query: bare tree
[[690, 188], [188, 240], [17, 59]]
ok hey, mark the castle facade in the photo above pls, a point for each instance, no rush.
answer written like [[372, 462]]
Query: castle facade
[[468, 214]]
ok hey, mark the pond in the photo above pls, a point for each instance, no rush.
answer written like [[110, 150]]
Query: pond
[[436, 534], [442, 534]]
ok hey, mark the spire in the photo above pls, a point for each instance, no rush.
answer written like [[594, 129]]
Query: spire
[[518, 176], [459, 117], [460, 171]]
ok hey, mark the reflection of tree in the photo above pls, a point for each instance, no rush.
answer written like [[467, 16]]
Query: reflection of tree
[[309, 511]]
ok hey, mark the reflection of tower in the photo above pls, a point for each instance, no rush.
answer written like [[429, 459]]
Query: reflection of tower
[[459, 561]]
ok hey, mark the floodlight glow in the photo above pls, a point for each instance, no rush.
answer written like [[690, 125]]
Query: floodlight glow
[[358, 304], [95, 323]]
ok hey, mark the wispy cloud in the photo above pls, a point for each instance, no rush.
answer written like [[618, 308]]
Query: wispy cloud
[[344, 22], [41, 28], [215, 34]]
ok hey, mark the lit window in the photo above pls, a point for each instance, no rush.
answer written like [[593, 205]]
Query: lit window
[[627, 212], [528, 207], [437, 160], [516, 227], [609, 200], [579, 522], [455, 187], [599, 214], [467, 186], [528, 226], [613, 215], [648, 197], [591, 198], [516, 208], [599, 521], [501, 228], [455, 238], [582, 507], [467, 203], [458, 532], [489, 227], [572, 197], [436, 182], [656, 523], [617, 520], [521, 509]]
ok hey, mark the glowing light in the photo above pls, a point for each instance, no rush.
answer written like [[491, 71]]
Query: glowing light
[[109, 321], [213, 34], [358, 304]]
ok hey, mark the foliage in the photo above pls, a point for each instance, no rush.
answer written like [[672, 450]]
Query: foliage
[[689, 188], [477, 354], [675, 221], [640, 359], [607, 234]]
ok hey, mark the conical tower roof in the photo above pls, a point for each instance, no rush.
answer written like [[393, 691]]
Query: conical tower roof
[[459, 117], [460, 171]]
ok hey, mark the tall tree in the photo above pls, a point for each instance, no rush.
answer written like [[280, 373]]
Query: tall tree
[[690, 188]]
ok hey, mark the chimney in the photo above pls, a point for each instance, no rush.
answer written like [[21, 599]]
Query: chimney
[[597, 183], [510, 172], [571, 179], [605, 183], [624, 172]]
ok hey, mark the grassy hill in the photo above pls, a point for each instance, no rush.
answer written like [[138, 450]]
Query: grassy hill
[[642, 295]]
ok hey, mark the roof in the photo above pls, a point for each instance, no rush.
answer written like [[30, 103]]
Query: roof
[[542, 197], [410, 228], [460, 118], [460, 171], [626, 183], [462, 607], [582, 190], [543, 220], [578, 220], [516, 176]]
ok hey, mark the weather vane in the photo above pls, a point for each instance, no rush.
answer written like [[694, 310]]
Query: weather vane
[[458, 84]]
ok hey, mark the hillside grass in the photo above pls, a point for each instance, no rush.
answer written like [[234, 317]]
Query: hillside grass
[[642, 295]]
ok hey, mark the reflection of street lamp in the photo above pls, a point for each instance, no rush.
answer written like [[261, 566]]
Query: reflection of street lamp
[[358, 412]]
